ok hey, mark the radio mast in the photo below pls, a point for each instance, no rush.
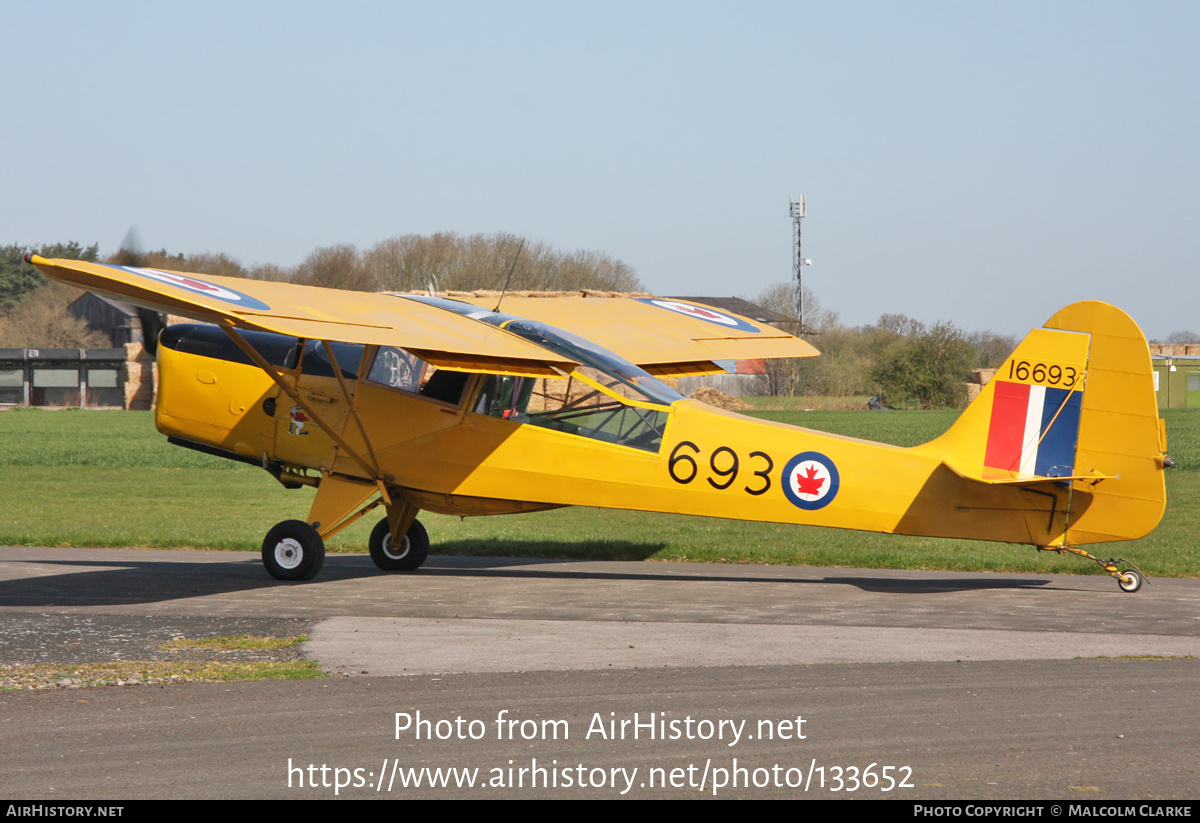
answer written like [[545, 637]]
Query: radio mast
[[796, 210]]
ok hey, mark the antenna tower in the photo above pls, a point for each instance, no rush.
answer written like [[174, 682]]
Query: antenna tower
[[796, 209]]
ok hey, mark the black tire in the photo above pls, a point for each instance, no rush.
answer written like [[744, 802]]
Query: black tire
[[1130, 581], [293, 550], [411, 555]]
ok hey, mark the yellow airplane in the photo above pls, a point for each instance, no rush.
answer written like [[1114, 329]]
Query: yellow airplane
[[452, 406]]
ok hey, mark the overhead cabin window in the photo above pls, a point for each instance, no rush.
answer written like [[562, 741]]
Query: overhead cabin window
[[397, 369], [316, 361], [211, 341], [562, 343], [606, 398]]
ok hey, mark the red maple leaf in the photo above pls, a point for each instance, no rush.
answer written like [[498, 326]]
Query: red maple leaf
[[811, 484]]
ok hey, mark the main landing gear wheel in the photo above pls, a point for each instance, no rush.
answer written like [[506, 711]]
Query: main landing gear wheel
[[1129, 580], [406, 557], [293, 550]]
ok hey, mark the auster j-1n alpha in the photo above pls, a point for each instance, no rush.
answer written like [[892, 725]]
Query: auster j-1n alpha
[[415, 402]]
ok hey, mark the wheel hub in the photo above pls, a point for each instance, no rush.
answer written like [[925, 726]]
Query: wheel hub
[[288, 553], [395, 555]]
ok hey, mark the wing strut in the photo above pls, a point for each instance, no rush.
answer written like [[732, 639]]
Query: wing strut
[[260, 361], [350, 402]]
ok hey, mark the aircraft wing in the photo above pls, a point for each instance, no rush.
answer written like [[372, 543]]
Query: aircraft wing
[[661, 335], [445, 339]]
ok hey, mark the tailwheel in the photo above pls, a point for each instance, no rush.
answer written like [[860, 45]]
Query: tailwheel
[[1129, 579], [405, 557], [293, 550]]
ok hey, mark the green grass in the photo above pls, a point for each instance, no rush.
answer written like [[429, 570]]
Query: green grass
[[230, 644], [110, 438], [818, 401], [108, 479], [909, 428], [1183, 438], [20, 676], [24, 676]]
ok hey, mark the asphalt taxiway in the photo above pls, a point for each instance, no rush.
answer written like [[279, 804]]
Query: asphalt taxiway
[[968, 685]]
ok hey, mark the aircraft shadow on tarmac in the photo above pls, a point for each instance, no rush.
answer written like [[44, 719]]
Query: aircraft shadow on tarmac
[[883, 585], [125, 582], [542, 549]]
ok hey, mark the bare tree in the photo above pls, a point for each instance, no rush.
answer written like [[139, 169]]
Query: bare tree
[[414, 262], [780, 298], [900, 324], [803, 375], [450, 262], [219, 264], [269, 271], [41, 320], [991, 349], [336, 267]]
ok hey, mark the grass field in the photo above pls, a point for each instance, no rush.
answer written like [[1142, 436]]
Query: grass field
[[74, 478], [806, 402]]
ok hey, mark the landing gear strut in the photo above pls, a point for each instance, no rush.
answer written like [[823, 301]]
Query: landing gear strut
[[1129, 579]]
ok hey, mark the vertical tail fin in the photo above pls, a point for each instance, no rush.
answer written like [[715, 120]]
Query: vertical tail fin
[[1072, 412]]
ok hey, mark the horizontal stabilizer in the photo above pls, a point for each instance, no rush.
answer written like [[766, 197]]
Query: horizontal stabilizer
[[985, 474]]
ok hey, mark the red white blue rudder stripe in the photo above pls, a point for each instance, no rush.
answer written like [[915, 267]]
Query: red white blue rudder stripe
[[1033, 430]]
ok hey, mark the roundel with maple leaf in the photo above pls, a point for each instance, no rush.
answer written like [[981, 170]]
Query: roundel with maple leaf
[[810, 480]]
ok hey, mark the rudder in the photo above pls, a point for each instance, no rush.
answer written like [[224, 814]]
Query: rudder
[[1120, 432]]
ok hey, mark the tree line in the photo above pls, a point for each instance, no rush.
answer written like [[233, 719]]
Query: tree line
[[444, 261], [33, 310], [900, 359]]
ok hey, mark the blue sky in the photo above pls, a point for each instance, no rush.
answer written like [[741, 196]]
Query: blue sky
[[984, 163]]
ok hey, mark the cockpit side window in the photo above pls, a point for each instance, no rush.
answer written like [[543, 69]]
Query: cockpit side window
[[505, 396], [574, 405], [398, 369]]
